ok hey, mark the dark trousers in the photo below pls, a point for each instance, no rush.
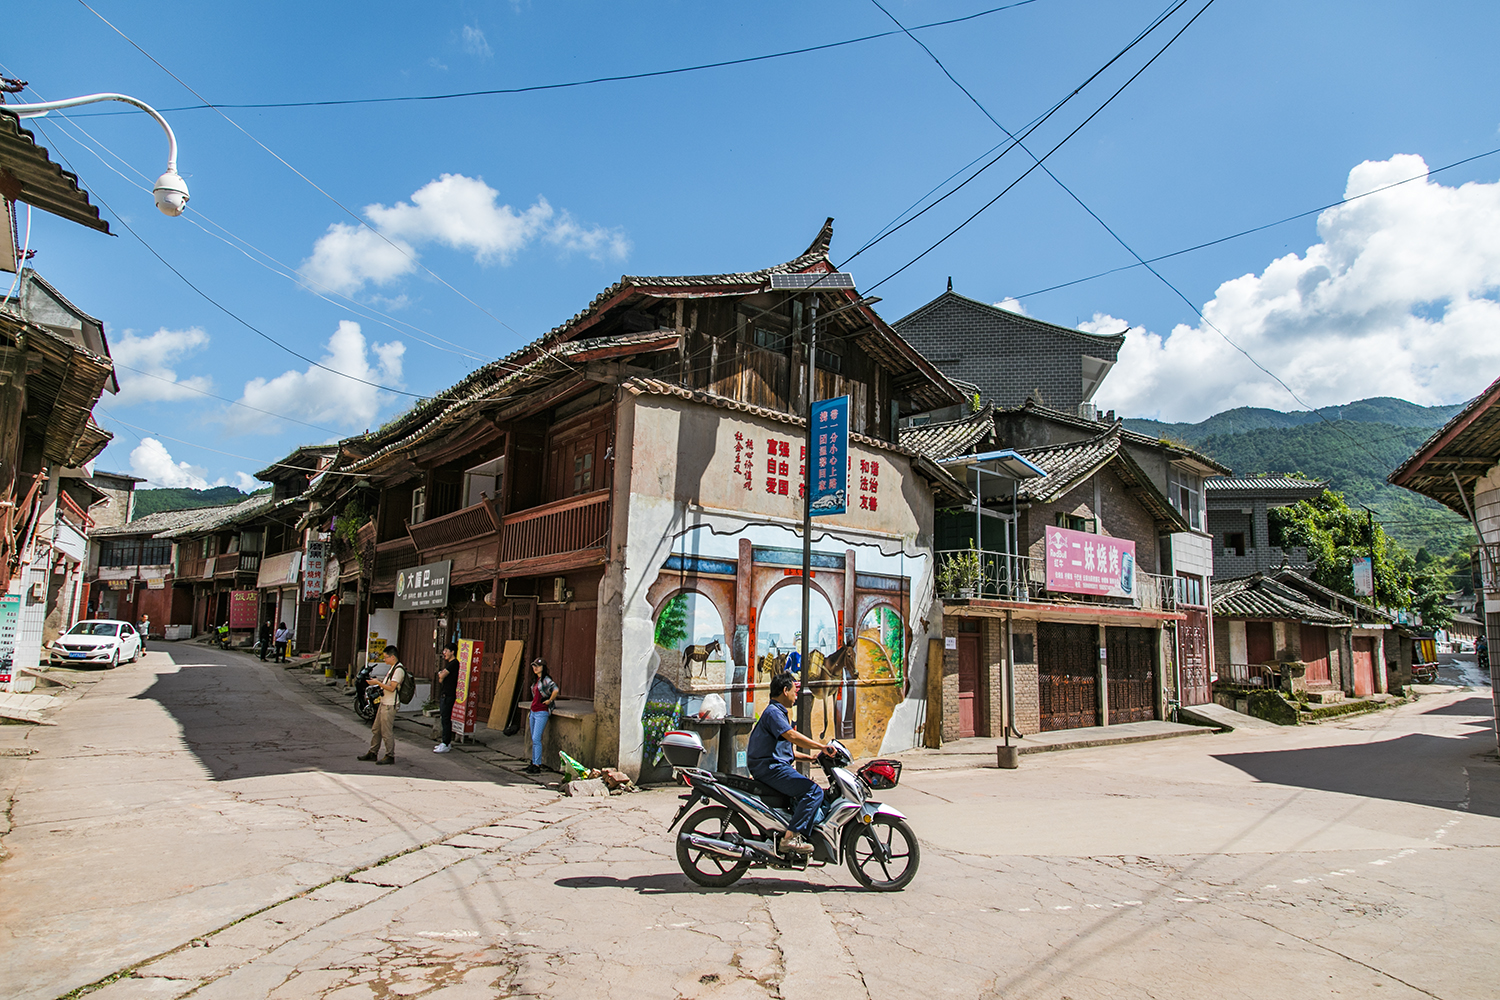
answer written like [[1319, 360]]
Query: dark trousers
[[806, 793], [445, 712]]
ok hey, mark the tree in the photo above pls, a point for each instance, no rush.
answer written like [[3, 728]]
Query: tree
[[671, 626], [1335, 535]]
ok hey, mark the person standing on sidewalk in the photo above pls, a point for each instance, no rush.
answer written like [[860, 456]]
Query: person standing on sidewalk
[[447, 676], [283, 636], [383, 730], [543, 693]]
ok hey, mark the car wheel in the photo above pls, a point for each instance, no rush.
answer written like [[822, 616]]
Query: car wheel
[[114, 661]]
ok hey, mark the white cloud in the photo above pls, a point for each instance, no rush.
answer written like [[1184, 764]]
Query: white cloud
[[474, 42], [458, 212], [1399, 299], [319, 396], [1011, 305], [155, 355], [242, 481], [151, 460]]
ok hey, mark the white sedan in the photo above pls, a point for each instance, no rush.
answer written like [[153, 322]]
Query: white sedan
[[96, 641]]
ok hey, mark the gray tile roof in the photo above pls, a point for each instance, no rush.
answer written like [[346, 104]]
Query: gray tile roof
[[162, 520], [1264, 484], [951, 438], [1258, 596], [222, 517]]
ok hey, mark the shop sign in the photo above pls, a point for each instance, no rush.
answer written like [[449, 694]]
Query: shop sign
[[244, 608], [423, 586], [1079, 562], [331, 573], [10, 614], [312, 569], [118, 584], [156, 583], [830, 460], [466, 704]]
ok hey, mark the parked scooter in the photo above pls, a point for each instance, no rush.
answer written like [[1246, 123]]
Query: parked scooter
[[221, 638], [743, 821], [366, 696]]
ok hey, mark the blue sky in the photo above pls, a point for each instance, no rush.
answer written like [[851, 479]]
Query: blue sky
[[520, 207]]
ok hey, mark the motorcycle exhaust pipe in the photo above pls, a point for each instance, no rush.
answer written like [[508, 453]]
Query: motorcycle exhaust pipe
[[722, 848]]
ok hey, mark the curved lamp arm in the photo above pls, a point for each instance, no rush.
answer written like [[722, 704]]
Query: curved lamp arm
[[171, 190]]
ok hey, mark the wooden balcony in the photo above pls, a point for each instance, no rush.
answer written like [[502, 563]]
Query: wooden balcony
[[469, 528], [565, 534], [390, 558], [194, 567], [234, 563]]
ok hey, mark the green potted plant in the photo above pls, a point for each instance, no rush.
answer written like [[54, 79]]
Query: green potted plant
[[962, 573]]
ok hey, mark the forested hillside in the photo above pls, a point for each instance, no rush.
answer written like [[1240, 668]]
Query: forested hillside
[[1354, 449], [154, 501]]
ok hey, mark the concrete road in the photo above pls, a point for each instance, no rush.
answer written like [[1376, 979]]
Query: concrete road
[[1347, 860]]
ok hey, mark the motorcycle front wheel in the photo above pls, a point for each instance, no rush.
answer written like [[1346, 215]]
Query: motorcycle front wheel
[[706, 867], [883, 855]]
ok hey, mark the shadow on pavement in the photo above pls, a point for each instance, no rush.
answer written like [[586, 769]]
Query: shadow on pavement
[[238, 728], [676, 882], [1448, 773], [1476, 706]]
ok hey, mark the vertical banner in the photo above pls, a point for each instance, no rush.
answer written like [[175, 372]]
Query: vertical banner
[[244, 608], [1364, 577], [10, 615], [466, 704], [830, 459], [312, 569]]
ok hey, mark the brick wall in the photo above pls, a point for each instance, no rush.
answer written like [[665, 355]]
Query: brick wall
[[1008, 356], [1119, 516], [992, 675], [1028, 701], [950, 694]]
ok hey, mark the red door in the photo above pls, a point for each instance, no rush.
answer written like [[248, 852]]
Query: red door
[[968, 684], [1259, 647], [1315, 654], [1364, 667]]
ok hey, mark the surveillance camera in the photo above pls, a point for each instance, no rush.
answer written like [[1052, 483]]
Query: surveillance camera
[[171, 193]]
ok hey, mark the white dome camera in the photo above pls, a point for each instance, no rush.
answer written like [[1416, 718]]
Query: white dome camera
[[171, 193]]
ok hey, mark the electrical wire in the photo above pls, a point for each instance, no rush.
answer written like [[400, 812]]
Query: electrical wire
[[592, 81], [225, 399], [203, 447]]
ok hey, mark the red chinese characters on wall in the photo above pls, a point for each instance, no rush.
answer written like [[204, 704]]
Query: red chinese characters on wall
[[778, 467], [746, 467], [869, 484]]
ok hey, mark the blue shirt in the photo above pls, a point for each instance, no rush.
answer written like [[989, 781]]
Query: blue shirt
[[766, 745]]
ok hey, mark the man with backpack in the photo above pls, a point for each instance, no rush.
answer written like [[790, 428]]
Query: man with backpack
[[383, 730]]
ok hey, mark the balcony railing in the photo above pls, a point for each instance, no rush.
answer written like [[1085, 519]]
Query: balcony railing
[[194, 567], [1249, 675], [570, 525], [462, 527], [967, 573], [231, 563], [394, 555], [73, 514]]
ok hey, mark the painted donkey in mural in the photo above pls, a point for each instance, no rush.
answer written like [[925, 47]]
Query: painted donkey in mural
[[742, 821], [700, 655], [822, 677]]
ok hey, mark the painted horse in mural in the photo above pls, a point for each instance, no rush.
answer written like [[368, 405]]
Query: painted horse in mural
[[699, 655], [821, 678]]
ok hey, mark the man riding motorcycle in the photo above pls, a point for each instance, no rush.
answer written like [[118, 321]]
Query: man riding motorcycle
[[770, 755]]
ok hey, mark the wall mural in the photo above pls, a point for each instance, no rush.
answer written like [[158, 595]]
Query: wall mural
[[727, 616]]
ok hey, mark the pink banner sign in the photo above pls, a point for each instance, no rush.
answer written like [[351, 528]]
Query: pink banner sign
[[1082, 563]]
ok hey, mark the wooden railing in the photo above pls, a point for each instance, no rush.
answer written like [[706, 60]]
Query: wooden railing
[[461, 527], [570, 525], [231, 563], [193, 567], [396, 554]]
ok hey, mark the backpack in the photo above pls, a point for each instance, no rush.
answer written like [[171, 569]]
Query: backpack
[[408, 687]]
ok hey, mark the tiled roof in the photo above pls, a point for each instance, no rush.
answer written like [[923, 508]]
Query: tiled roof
[[1319, 593], [1126, 434], [1264, 484], [1465, 448], [1258, 596], [162, 520], [953, 437], [1113, 340], [1069, 464], [222, 517]]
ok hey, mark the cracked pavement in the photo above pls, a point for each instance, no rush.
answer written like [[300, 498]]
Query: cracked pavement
[[204, 831]]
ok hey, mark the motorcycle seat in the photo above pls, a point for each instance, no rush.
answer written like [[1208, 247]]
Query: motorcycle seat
[[767, 794]]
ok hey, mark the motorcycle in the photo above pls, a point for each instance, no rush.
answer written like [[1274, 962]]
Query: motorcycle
[[366, 696], [742, 822]]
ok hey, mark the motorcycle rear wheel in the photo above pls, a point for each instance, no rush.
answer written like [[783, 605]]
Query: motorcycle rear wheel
[[705, 867], [365, 706], [883, 855]]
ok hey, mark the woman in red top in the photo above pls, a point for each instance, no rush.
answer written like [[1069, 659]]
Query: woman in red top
[[543, 694]]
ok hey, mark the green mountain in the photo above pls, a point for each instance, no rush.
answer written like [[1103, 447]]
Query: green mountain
[[155, 501], [1353, 447]]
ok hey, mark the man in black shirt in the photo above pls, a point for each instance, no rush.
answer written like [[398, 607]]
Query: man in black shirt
[[447, 676], [771, 755]]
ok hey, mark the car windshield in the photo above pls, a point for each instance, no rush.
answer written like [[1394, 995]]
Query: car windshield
[[95, 628]]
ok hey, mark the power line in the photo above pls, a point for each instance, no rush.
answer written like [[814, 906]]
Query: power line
[[244, 458], [592, 81], [1257, 229], [233, 402]]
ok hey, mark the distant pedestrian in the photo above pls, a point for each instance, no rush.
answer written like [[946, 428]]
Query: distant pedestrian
[[283, 636], [144, 628], [543, 693], [265, 640], [447, 676], [383, 730]]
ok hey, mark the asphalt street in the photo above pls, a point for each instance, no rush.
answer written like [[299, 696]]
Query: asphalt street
[[196, 825]]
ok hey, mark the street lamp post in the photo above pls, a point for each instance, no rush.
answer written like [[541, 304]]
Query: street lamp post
[[170, 190]]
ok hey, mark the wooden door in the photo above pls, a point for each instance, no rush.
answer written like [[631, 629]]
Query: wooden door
[[576, 674], [549, 646], [1192, 641], [1364, 666], [1259, 645], [969, 707], [1067, 663], [1131, 673], [1315, 654]]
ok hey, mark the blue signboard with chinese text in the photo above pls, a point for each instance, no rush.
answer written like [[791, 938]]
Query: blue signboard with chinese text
[[830, 458]]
